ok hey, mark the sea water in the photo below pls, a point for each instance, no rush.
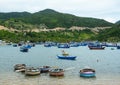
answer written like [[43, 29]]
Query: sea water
[[105, 62]]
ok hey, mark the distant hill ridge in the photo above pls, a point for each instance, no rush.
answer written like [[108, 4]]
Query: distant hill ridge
[[51, 19], [118, 22]]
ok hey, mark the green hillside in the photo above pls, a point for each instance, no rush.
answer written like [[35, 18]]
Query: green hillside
[[112, 34], [109, 35], [118, 22], [50, 19]]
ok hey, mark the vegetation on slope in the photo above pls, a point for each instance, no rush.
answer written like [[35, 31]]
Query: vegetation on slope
[[106, 35], [50, 19]]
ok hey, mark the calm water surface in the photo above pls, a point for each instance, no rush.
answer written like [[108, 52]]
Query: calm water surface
[[107, 67]]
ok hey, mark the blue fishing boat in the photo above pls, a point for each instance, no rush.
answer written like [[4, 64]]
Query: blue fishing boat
[[74, 45], [23, 49], [63, 45], [47, 45], [111, 45], [28, 46], [98, 47], [15, 45], [118, 47], [87, 73], [66, 57]]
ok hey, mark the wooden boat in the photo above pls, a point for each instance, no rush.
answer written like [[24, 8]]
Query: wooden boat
[[32, 71], [96, 47], [44, 69], [20, 67], [66, 57], [56, 72], [87, 72]]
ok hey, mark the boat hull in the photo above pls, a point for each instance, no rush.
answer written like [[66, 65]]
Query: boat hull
[[66, 57], [118, 47], [20, 67], [56, 72], [96, 48], [45, 69], [32, 72], [23, 49], [87, 75]]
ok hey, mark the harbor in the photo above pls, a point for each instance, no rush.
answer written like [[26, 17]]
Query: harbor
[[105, 62]]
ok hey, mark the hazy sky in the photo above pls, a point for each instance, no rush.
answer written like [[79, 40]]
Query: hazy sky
[[103, 9]]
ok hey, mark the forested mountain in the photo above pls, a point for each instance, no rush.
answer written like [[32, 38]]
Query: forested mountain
[[50, 19], [6, 16], [118, 22]]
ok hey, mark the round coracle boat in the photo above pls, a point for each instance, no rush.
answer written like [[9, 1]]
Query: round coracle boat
[[20, 67], [56, 72], [32, 71], [87, 73], [44, 69]]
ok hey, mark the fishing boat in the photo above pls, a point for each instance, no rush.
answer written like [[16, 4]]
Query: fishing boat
[[56, 72], [66, 57], [20, 67], [44, 69], [118, 47], [28, 46], [32, 71], [111, 45], [15, 45], [96, 47], [23, 49], [87, 73], [112, 49], [63, 45], [47, 45]]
